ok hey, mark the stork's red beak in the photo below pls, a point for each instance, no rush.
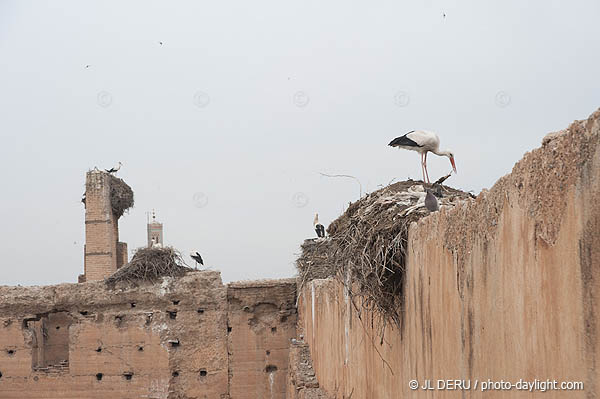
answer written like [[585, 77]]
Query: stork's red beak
[[453, 164]]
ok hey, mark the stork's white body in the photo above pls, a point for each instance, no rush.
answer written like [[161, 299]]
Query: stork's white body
[[422, 141]]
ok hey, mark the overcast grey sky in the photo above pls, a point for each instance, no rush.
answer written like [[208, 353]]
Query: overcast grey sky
[[225, 127]]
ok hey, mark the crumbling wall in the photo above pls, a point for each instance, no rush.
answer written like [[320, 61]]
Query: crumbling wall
[[505, 287], [157, 341], [188, 337], [262, 321], [106, 198]]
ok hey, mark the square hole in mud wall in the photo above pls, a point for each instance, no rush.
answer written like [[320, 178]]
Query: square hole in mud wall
[[50, 339], [203, 373], [273, 329]]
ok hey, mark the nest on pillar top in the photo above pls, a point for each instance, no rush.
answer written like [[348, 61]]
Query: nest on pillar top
[[121, 196]]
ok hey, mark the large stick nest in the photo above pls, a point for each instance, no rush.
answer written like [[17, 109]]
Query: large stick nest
[[150, 264], [121, 196], [366, 247]]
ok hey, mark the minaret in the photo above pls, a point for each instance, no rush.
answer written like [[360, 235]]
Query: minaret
[[155, 231]]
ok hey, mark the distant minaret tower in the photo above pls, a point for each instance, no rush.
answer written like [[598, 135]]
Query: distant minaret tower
[[155, 231]]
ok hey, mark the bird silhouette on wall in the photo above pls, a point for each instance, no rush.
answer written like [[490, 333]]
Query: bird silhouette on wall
[[114, 169], [196, 256], [319, 228]]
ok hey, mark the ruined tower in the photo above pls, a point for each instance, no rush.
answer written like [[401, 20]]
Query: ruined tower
[[106, 198], [155, 231]]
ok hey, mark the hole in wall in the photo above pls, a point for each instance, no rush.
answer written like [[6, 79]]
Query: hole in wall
[[128, 375], [58, 327], [270, 368], [10, 352], [140, 348], [99, 376], [0, 374], [99, 349], [132, 304], [273, 329], [174, 343], [172, 314], [200, 311], [175, 373], [176, 302], [268, 353], [83, 312], [228, 329], [203, 373]]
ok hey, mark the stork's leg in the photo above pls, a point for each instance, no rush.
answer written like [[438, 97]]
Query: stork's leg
[[422, 167], [426, 172]]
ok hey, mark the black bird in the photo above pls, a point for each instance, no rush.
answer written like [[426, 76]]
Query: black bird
[[114, 169], [319, 228], [196, 256]]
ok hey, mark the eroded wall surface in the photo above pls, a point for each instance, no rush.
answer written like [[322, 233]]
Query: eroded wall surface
[[168, 340], [262, 320], [506, 287]]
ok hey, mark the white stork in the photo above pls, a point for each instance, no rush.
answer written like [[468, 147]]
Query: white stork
[[196, 256], [319, 228], [114, 169], [423, 142]]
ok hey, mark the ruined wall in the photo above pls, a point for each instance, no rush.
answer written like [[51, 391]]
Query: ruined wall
[[262, 320], [506, 287], [103, 254], [168, 340]]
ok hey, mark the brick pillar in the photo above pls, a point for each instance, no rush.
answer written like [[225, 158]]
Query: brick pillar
[[101, 228], [121, 254]]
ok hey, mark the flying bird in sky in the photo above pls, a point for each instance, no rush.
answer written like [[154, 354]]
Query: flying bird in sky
[[319, 228], [423, 142], [196, 256], [114, 169]]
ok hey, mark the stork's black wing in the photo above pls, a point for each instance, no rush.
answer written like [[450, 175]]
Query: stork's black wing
[[404, 141]]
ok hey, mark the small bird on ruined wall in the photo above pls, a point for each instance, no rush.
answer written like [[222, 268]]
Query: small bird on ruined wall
[[431, 202], [114, 169], [319, 228], [196, 256]]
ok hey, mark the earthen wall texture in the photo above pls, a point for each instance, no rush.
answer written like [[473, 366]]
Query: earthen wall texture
[[506, 287], [177, 339], [101, 229]]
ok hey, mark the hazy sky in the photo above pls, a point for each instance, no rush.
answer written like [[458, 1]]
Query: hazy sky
[[225, 127]]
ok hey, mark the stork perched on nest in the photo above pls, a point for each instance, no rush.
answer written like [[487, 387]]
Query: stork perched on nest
[[196, 256], [114, 169], [319, 228], [423, 142]]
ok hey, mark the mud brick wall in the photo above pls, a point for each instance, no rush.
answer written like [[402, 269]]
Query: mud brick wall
[[505, 287], [191, 337]]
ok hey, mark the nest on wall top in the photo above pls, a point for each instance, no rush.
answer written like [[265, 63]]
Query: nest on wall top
[[150, 264], [366, 247], [121, 196]]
